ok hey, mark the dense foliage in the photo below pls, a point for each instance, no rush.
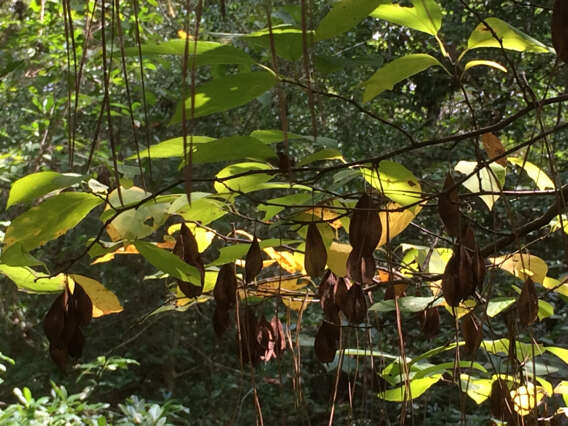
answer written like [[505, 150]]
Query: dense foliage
[[318, 212]]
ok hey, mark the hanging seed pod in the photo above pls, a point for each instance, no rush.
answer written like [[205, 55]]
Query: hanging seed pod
[[59, 356], [316, 255], [326, 342], [221, 320], [527, 305], [82, 305], [265, 340], [355, 305], [361, 269], [365, 227], [325, 292], [249, 348], [340, 294], [186, 249], [226, 286], [429, 322], [477, 262], [280, 338], [466, 273], [472, 333], [54, 321], [450, 282], [500, 401], [76, 344], [253, 261], [448, 207], [560, 29]]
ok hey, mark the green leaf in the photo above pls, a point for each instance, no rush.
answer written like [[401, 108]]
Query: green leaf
[[476, 388], [223, 94], [512, 38], [498, 305], [168, 263], [29, 281], [288, 200], [561, 353], [237, 251], [38, 184], [485, 63], [170, 148], [483, 180], [202, 209], [425, 15], [524, 350], [408, 304], [274, 136], [396, 71], [50, 219], [288, 41], [395, 181], [545, 310], [207, 52], [343, 16], [230, 149], [324, 154], [540, 178], [446, 367], [244, 184], [15, 255], [417, 388]]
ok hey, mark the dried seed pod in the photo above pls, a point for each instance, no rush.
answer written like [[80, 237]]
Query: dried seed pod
[[54, 321], [186, 249], [466, 273], [326, 342], [429, 322], [76, 344], [265, 340], [449, 208], [450, 282], [355, 305], [221, 320], [340, 293], [560, 29], [365, 227], [226, 286], [361, 269], [472, 333], [326, 290], [500, 401], [477, 262], [316, 255], [83, 306], [527, 305], [249, 348], [59, 356], [280, 339], [253, 261]]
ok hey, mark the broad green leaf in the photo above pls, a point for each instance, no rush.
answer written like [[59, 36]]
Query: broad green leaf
[[540, 178], [343, 16], [434, 352], [170, 148], [29, 281], [446, 367], [288, 41], [396, 182], [223, 94], [50, 219], [522, 266], [168, 263], [207, 52], [275, 136], [135, 223], [561, 353], [483, 180], [245, 183], [104, 301], [511, 37], [524, 350], [425, 15], [476, 388], [484, 63], [417, 388], [237, 251], [324, 154], [545, 310], [396, 71], [408, 304], [367, 352], [498, 305], [561, 389], [38, 184], [230, 149], [203, 208], [288, 200], [15, 255]]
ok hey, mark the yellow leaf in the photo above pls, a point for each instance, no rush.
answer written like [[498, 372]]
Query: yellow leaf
[[329, 215], [522, 266], [524, 398], [295, 301], [104, 301], [463, 309], [337, 254], [397, 221], [288, 261], [557, 285], [202, 236]]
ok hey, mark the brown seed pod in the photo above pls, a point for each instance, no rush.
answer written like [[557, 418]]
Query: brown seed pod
[[76, 344], [325, 292], [466, 273], [186, 249], [560, 29], [59, 356], [316, 255], [449, 208], [253, 261], [340, 294], [477, 262], [280, 338], [450, 282], [265, 340], [429, 322], [472, 333], [355, 305], [361, 269], [249, 348], [500, 401], [365, 227], [221, 320], [226, 286], [527, 304], [54, 321], [82, 305], [326, 342]]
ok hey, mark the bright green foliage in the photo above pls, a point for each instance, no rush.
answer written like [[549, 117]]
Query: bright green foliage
[[343, 16], [33, 186], [395, 181], [30, 281], [288, 41], [424, 15]]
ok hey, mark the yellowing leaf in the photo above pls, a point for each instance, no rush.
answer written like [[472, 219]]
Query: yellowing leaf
[[524, 398], [295, 300], [104, 301], [288, 261], [337, 254], [557, 285], [540, 178], [483, 180], [477, 63], [329, 215], [522, 266], [202, 236], [494, 148], [397, 221]]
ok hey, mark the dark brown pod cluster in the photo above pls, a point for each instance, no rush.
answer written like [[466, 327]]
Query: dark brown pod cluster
[[429, 321], [449, 208], [364, 235], [560, 29], [316, 255], [225, 293], [472, 333], [502, 406], [253, 261], [186, 249], [62, 325], [464, 272], [527, 305], [260, 340]]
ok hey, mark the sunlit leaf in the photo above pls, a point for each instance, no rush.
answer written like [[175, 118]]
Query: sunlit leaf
[[483, 180], [324, 154], [561, 353], [498, 305], [477, 389], [494, 148], [290, 262], [540, 178], [202, 236], [295, 300], [425, 15], [287, 40], [394, 221], [344, 15], [203, 208], [337, 254], [396, 182], [33, 186], [485, 63], [417, 388], [556, 285], [50, 219], [524, 398], [170, 148], [104, 301], [242, 183], [522, 266], [524, 351], [273, 136], [29, 281], [226, 93]]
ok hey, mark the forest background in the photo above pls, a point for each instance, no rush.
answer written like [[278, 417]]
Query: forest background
[[299, 111]]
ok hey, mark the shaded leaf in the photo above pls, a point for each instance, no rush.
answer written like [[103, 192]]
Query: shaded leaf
[[170, 148], [325, 344], [287, 40], [343, 16], [472, 333], [322, 155], [449, 207]]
